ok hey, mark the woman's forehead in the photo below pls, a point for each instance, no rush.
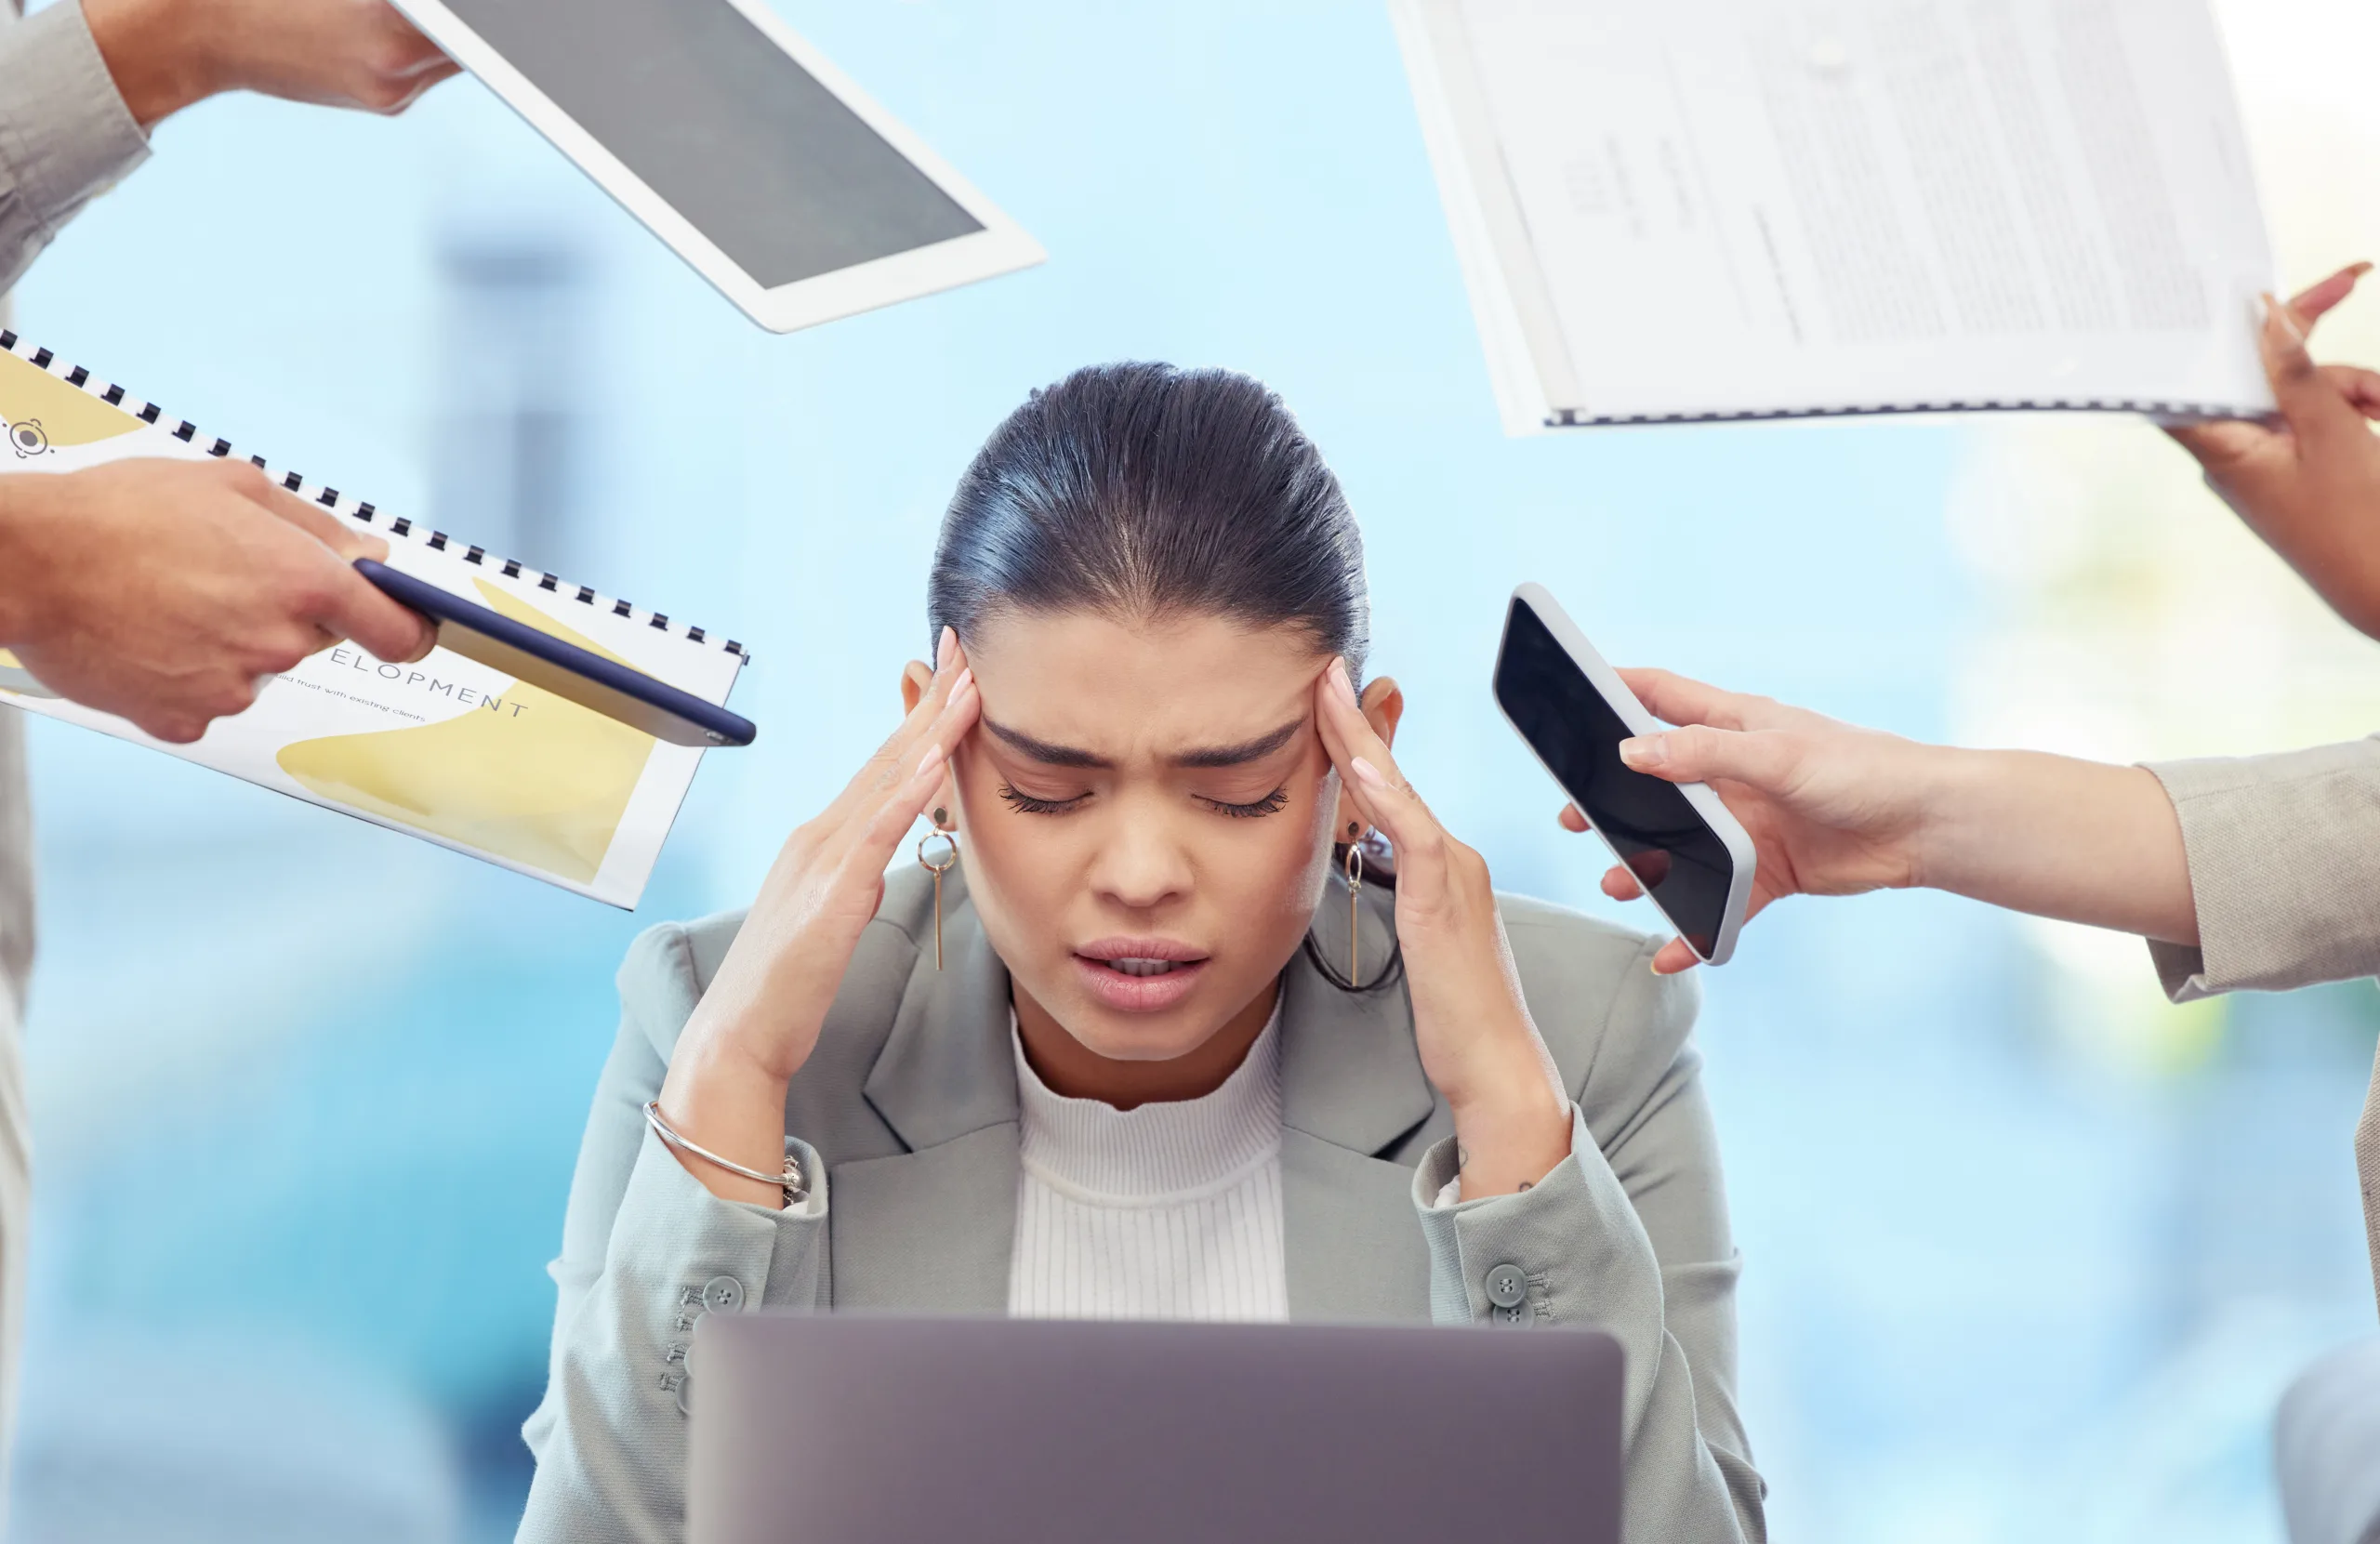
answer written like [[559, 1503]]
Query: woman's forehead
[[1126, 689]]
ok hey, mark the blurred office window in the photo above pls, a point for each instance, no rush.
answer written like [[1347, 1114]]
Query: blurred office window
[[509, 416]]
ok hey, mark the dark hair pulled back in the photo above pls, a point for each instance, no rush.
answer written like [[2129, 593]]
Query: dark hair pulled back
[[1150, 493]]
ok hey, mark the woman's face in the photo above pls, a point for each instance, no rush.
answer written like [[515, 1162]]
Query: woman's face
[[1145, 813]]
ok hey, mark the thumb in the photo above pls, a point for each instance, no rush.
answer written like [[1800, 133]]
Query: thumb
[[2311, 405], [1766, 759], [358, 609]]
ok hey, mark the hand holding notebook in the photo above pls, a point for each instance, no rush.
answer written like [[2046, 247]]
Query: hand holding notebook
[[502, 760], [164, 591]]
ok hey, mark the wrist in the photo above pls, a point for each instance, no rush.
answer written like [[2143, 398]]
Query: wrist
[[1511, 1077], [1946, 819], [159, 61]]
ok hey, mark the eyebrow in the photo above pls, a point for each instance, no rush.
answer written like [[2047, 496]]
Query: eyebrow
[[1206, 755]]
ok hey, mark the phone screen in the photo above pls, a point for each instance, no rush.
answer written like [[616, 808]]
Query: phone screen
[[1658, 834]]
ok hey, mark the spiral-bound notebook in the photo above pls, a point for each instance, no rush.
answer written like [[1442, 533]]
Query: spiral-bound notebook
[[445, 749], [1709, 209]]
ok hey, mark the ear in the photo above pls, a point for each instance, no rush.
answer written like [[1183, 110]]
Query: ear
[[1383, 704], [942, 812]]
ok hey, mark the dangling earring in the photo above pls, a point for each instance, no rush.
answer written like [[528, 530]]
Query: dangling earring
[[1354, 890], [941, 817]]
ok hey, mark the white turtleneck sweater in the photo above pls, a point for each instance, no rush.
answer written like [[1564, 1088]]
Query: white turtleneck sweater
[[1164, 1211]]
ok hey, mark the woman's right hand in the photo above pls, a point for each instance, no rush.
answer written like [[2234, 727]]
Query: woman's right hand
[[760, 1019]]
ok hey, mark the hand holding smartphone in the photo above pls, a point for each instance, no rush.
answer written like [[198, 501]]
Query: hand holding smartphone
[[1692, 857]]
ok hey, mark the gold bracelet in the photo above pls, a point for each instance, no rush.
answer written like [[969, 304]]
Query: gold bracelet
[[791, 1180]]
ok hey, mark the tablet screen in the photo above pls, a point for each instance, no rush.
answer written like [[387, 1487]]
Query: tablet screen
[[726, 127]]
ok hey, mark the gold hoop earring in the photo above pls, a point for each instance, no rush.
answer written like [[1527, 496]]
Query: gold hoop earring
[[1355, 890], [938, 870]]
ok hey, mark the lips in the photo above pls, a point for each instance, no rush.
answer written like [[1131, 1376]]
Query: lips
[[1139, 975]]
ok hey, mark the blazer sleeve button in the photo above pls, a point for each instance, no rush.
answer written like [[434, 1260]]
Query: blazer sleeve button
[[723, 1295], [1507, 1287]]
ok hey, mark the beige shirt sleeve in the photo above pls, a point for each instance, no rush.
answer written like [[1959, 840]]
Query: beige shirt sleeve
[[2284, 863], [65, 134]]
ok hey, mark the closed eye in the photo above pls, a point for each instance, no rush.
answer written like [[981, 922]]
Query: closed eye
[[1272, 803], [1025, 803]]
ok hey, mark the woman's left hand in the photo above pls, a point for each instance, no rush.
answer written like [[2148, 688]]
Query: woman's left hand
[[1478, 1045]]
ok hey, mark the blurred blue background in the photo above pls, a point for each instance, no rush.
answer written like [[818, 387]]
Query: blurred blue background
[[308, 1093]]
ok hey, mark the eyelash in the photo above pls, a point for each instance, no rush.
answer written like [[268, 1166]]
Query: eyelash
[[1024, 803], [1272, 803], [1027, 805]]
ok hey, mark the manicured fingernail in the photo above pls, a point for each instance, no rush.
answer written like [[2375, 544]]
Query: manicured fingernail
[[1341, 684], [927, 763], [965, 678], [1365, 771], [1645, 751], [948, 650]]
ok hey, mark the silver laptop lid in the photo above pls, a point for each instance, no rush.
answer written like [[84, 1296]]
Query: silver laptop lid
[[864, 1429]]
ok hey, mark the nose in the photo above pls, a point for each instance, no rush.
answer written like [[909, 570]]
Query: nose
[[1143, 863]]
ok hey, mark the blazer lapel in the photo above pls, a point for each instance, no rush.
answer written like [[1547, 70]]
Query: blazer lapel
[[1352, 1088], [933, 1228]]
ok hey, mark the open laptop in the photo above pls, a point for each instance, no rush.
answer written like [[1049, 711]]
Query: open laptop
[[863, 1429]]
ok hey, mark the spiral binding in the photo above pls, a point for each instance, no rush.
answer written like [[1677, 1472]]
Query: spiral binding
[[1571, 417], [400, 527]]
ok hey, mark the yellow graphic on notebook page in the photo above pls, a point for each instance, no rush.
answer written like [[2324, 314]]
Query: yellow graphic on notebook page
[[42, 412], [544, 786]]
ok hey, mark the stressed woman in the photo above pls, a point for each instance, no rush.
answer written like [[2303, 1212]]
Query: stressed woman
[[1138, 1033]]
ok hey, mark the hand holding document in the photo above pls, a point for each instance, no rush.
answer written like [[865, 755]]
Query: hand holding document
[[1743, 208], [506, 764]]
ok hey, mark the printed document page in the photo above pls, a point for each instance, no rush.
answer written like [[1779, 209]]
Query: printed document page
[[447, 749], [1749, 207]]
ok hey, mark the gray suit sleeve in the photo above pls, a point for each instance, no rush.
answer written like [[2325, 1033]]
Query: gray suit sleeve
[[647, 1251], [65, 134], [2284, 863], [1628, 1235]]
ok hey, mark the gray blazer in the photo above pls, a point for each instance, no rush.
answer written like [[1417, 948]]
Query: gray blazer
[[2285, 862], [65, 135], [908, 1111]]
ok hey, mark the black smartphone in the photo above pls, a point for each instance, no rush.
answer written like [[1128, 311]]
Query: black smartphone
[[1693, 859], [566, 670]]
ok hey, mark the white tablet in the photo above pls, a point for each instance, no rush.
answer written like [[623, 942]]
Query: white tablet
[[738, 144]]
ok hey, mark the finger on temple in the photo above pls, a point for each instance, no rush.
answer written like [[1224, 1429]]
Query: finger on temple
[[1571, 820], [2314, 299], [1346, 734]]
